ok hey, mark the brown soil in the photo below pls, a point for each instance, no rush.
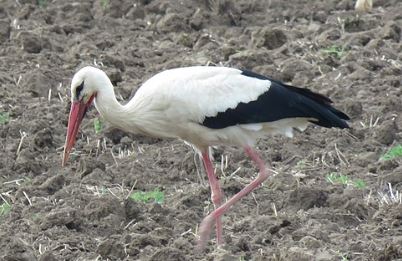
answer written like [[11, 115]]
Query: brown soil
[[81, 212]]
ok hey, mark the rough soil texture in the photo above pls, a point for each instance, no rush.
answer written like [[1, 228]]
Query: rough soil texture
[[81, 211]]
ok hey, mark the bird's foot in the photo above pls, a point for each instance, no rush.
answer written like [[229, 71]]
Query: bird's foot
[[205, 231]]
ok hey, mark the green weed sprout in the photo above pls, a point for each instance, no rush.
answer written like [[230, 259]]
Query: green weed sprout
[[334, 50], [5, 209], [4, 117], [155, 195], [97, 125], [104, 3], [359, 183], [394, 152], [335, 178], [42, 3]]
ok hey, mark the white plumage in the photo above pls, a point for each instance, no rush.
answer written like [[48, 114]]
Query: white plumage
[[172, 104], [204, 106]]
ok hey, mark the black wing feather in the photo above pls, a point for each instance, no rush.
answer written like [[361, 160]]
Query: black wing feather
[[279, 102]]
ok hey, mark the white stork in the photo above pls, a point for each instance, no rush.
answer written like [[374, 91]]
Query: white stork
[[204, 106]]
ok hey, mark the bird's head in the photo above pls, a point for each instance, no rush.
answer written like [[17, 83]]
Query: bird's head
[[84, 86]]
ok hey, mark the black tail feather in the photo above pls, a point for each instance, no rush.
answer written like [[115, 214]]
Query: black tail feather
[[281, 101], [326, 120], [310, 94]]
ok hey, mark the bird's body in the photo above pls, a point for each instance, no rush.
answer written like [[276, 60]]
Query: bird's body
[[204, 106], [182, 103], [363, 6]]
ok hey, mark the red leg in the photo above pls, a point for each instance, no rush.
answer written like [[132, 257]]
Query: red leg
[[216, 193], [206, 224]]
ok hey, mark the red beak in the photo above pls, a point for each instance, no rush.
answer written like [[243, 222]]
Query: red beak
[[77, 113]]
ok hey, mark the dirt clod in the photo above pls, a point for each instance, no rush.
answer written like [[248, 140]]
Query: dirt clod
[[47, 256], [53, 184], [44, 138], [392, 31], [111, 249], [132, 209], [168, 254], [33, 43], [38, 83], [171, 22], [386, 133], [4, 30], [305, 198], [270, 38]]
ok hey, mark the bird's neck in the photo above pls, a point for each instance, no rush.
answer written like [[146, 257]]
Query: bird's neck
[[110, 109]]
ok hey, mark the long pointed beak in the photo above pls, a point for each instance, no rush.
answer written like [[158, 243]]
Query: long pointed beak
[[77, 113]]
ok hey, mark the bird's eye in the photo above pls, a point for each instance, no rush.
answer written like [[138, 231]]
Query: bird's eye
[[78, 90]]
